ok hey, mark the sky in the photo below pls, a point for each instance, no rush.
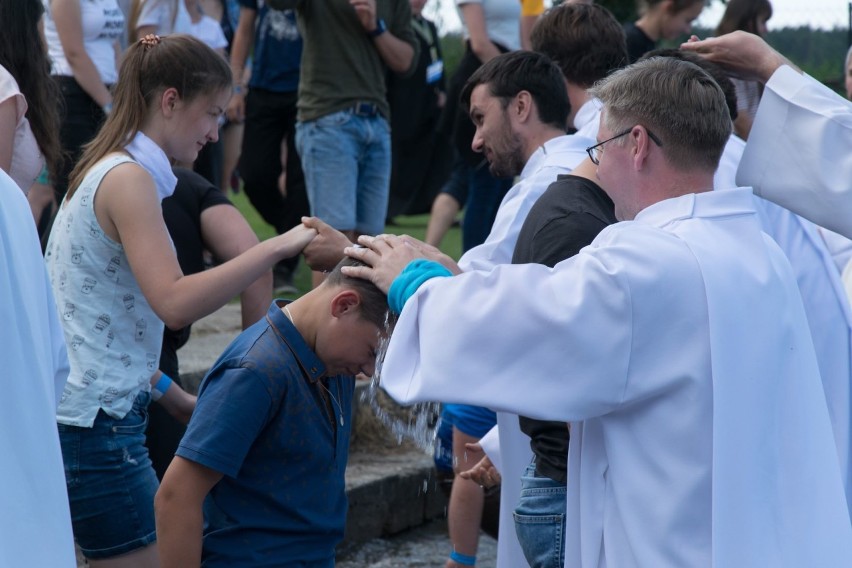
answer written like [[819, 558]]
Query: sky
[[816, 13]]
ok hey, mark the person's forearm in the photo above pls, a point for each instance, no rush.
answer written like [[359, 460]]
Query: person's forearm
[[255, 300], [8, 125], [527, 24], [481, 45], [397, 54], [87, 76], [197, 295], [243, 39], [171, 396], [485, 51], [179, 532]]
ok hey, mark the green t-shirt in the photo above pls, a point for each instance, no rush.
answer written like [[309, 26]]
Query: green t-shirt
[[340, 64]]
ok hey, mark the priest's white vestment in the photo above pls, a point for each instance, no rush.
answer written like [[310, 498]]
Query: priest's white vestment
[[825, 301], [799, 151], [35, 523], [678, 348]]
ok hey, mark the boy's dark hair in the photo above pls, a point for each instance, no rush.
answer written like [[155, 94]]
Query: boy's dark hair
[[584, 40], [510, 73], [710, 68], [374, 303]]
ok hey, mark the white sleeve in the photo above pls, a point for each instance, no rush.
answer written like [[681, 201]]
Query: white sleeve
[[490, 443], [476, 337], [798, 152], [153, 13]]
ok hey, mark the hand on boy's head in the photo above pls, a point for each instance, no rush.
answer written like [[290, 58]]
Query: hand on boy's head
[[432, 253], [326, 249], [744, 55], [385, 257]]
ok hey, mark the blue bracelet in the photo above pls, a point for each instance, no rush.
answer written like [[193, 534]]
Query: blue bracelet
[[463, 558], [410, 279], [161, 387]]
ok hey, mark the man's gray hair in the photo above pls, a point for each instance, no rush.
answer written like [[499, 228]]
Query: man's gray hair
[[677, 101]]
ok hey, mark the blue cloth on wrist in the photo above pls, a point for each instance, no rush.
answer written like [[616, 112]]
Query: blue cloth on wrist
[[163, 384], [463, 558], [409, 280]]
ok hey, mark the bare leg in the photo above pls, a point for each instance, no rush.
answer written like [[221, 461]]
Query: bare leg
[[444, 211], [464, 514], [232, 139], [141, 558]]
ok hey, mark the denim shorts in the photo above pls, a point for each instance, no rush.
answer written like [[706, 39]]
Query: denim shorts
[[111, 483], [540, 520], [346, 159]]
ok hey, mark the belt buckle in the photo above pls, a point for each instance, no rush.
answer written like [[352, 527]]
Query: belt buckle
[[365, 109]]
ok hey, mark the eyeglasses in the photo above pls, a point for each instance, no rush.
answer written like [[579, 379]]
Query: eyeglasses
[[596, 150]]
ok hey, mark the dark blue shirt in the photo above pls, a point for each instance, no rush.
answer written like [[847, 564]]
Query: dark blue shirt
[[264, 420], [277, 54]]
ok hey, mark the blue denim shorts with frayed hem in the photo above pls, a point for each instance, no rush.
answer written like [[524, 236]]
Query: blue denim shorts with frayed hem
[[111, 484]]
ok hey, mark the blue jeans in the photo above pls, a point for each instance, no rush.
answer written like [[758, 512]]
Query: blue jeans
[[485, 193], [111, 484], [346, 159], [540, 520]]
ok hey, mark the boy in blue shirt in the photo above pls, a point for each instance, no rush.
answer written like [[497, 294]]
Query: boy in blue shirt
[[265, 452]]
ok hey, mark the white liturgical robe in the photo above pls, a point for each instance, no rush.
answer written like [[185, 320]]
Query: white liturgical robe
[[824, 299], [555, 157], [35, 523], [677, 346], [799, 151]]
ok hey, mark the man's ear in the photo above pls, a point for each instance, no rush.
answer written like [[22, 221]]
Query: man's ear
[[641, 146], [344, 302], [523, 106], [168, 100]]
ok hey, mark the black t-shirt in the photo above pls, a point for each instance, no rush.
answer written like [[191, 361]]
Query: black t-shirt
[[567, 217], [638, 44], [182, 213]]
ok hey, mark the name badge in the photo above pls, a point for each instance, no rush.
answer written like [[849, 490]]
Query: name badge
[[434, 72]]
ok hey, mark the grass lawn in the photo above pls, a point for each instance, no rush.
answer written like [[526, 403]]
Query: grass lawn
[[414, 226]]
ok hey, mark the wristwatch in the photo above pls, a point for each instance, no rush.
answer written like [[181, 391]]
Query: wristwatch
[[380, 28]]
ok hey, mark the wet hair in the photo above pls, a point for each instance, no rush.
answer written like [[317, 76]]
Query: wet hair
[[24, 56], [374, 302], [743, 15], [677, 5], [584, 40], [678, 101], [718, 74], [510, 73], [175, 61]]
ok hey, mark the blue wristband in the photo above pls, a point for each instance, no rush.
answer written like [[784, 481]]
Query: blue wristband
[[463, 558], [409, 280], [161, 387]]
